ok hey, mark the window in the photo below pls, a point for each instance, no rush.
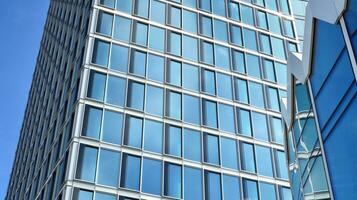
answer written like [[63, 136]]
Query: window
[[133, 131], [220, 29], [278, 48], [108, 3], [104, 24], [211, 149], [250, 40], [256, 94], [140, 33], [154, 100], [213, 189], [280, 163], [151, 177], [222, 57], [236, 35], [173, 140], [173, 105], [119, 58], [174, 43], [190, 76], [253, 65], [108, 168], [158, 10], [226, 118], [138, 62], [288, 28], [205, 5], [274, 24], [209, 112], [142, 8], [96, 86], [80, 194], [260, 127], [247, 157], [157, 38], [191, 109], [234, 11], [208, 82], [189, 48], [125, 6], [284, 6], [285, 193], [206, 25], [130, 174], [219, 7], [231, 188], [192, 142], [87, 163], [277, 131], [250, 189], [207, 52], [267, 191], [244, 123], [174, 16], [238, 61], [173, 73], [92, 122], [269, 73], [112, 127], [173, 180], [100, 53], [265, 45], [193, 184], [189, 21], [155, 69], [241, 91], [116, 91], [247, 15], [265, 164], [262, 20], [122, 28], [224, 86], [190, 3], [153, 135], [229, 153], [281, 77], [271, 4], [273, 99], [104, 196], [259, 2], [135, 95]]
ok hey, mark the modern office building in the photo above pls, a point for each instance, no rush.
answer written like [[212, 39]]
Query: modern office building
[[320, 111], [157, 99]]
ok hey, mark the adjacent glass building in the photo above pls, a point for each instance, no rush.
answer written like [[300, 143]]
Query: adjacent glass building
[[322, 106], [158, 99]]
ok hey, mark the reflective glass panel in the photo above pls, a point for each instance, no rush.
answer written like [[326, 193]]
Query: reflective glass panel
[[208, 82], [222, 57], [247, 15], [211, 149], [191, 109], [189, 48], [154, 100], [256, 95], [87, 163], [155, 69], [260, 127], [135, 97], [241, 91], [238, 61], [119, 58], [125, 6], [92, 122], [250, 40], [158, 10], [250, 189], [213, 189], [173, 105], [116, 91], [265, 164], [224, 88], [173, 73], [104, 23], [157, 38], [207, 53], [244, 123], [206, 25], [137, 63], [175, 16], [142, 8], [189, 21], [174, 43], [247, 157], [96, 86], [153, 136], [173, 140], [226, 118], [236, 35], [151, 177], [229, 153], [253, 65], [100, 53], [267, 191], [108, 168], [140, 33], [112, 127], [130, 173], [192, 142], [193, 184], [231, 187], [220, 29], [209, 112], [173, 180], [133, 131], [190, 76], [122, 27]]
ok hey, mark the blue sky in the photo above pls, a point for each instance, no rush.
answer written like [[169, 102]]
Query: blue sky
[[22, 23]]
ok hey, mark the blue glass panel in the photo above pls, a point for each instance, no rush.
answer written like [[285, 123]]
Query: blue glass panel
[[241, 91], [226, 118], [285, 193], [155, 69], [96, 86], [247, 14], [190, 3], [236, 35], [189, 21], [157, 38], [116, 91], [247, 157], [253, 65], [104, 196], [281, 77], [273, 99], [140, 33], [151, 178], [277, 130], [222, 57], [192, 142], [153, 135], [112, 127], [224, 88], [154, 100], [238, 61], [269, 73], [174, 45], [173, 180], [244, 122], [189, 48], [100, 53], [274, 24], [281, 166], [284, 7], [135, 97], [174, 16], [250, 40], [262, 20], [265, 46], [119, 58], [267, 191], [205, 5], [256, 95], [142, 8], [87, 163], [265, 164], [82, 195], [289, 29], [133, 131], [173, 140], [173, 73], [125, 6], [208, 82], [207, 53], [92, 122], [108, 168], [211, 149], [108, 3], [191, 109], [206, 26], [173, 105], [122, 28], [209, 112], [229, 153], [260, 127], [219, 7], [190, 77], [234, 11], [213, 189], [231, 188], [130, 174], [271, 5], [158, 10], [278, 48], [104, 23], [193, 184], [220, 29], [250, 189]]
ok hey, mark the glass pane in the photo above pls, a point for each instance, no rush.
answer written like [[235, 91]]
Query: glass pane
[[151, 178], [205, 5], [130, 174], [207, 53], [278, 48], [100, 53], [173, 180], [260, 127], [269, 73], [274, 24], [250, 40], [174, 45], [222, 57], [220, 29], [191, 109], [289, 29], [265, 46], [250, 189], [281, 166], [173, 74], [231, 188], [154, 100], [92, 122], [82, 194], [190, 3], [285, 193], [87, 163], [108, 3], [219, 7], [173, 105], [189, 48], [234, 11], [256, 95], [193, 184], [209, 112], [277, 130], [267, 191], [247, 157], [133, 131], [189, 21], [122, 28], [157, 38], [108, 168], [265, 164], [190, 77], [206, 25], [153, 136], [104, 23], [208, 82], [158, 11], [173, 140], [112, 127], [244, 122], [281, 77], [211, 149], [125, 6], [238, 61], [229, 153], [273, 99], [135, 95], [236, 35], [262, 19], [224, 88], [140, 33], [174, 16], [226, 118], [253, 65], [142, 8], [96, 86], [247, 15], [241, 91], [213, 189], [284, 6], [192, 142], [155, 69], [116, 91], [119, 58], [104, 196]]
